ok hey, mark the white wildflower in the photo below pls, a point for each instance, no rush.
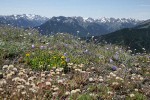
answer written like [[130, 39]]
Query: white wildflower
[[33, 84], [42, 75], [136, 90], [141, 78], [54, 93], [91, 79], [78, 70], [63, 74], [67, 93], [81, 65], [70, 64], [1, 89], [115, 83], [78, 90], [24, 92], [10, 67], [75, 91], [5, 66], [60, 81], [31, 78], [9, 76], [56, 89], [52, 73], [20, 73], [2, 82], [100, 77], [20, 87], [33, 90], [16, 79], [132, 95], [112, 74], [59, 69], [101, 80], [57, 73], [48, 83], [42, 79], [93, 68], [15, 69], [109, 92]]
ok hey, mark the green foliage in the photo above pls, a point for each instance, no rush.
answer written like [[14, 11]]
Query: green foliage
[[137, 96], [44, 60], [85, 97]]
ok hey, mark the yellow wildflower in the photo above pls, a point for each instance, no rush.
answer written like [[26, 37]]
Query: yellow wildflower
[[63, 63], [62, 57], [27, 55]]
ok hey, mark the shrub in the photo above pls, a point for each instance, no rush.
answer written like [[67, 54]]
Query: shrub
[[44, 60]]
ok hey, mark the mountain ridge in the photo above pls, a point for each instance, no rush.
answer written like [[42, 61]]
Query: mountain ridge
[[22, 20], [75, 25], [136, 38], [85, 26]]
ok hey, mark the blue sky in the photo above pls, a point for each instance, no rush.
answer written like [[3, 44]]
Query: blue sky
[[139, 9]]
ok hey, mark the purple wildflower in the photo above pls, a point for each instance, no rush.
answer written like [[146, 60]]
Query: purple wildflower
[[110, 60], [86, 51], [33, 46], [114, 68], [65, 54], [41, 47], [67, 59]]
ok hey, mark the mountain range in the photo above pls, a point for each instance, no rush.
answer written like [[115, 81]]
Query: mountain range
[[82, 27], [77, 26], [24, 20]]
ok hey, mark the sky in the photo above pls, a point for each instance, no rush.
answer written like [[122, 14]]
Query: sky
[[138, 9]]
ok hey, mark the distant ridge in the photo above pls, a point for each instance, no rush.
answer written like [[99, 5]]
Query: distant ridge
[[78, 26], [82, 27], [136, 38], [24, 20]]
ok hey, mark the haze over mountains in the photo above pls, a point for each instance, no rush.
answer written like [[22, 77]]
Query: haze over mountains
[[74, 25]]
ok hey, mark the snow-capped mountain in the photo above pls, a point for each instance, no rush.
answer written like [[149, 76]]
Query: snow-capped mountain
[[75, 25], [84, 26], [108, 20], [24, 20]]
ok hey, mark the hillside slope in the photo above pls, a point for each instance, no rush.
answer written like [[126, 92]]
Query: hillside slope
[[136, 38]]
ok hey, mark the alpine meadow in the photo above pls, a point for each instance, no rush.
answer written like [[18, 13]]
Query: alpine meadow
[[75, 50]]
